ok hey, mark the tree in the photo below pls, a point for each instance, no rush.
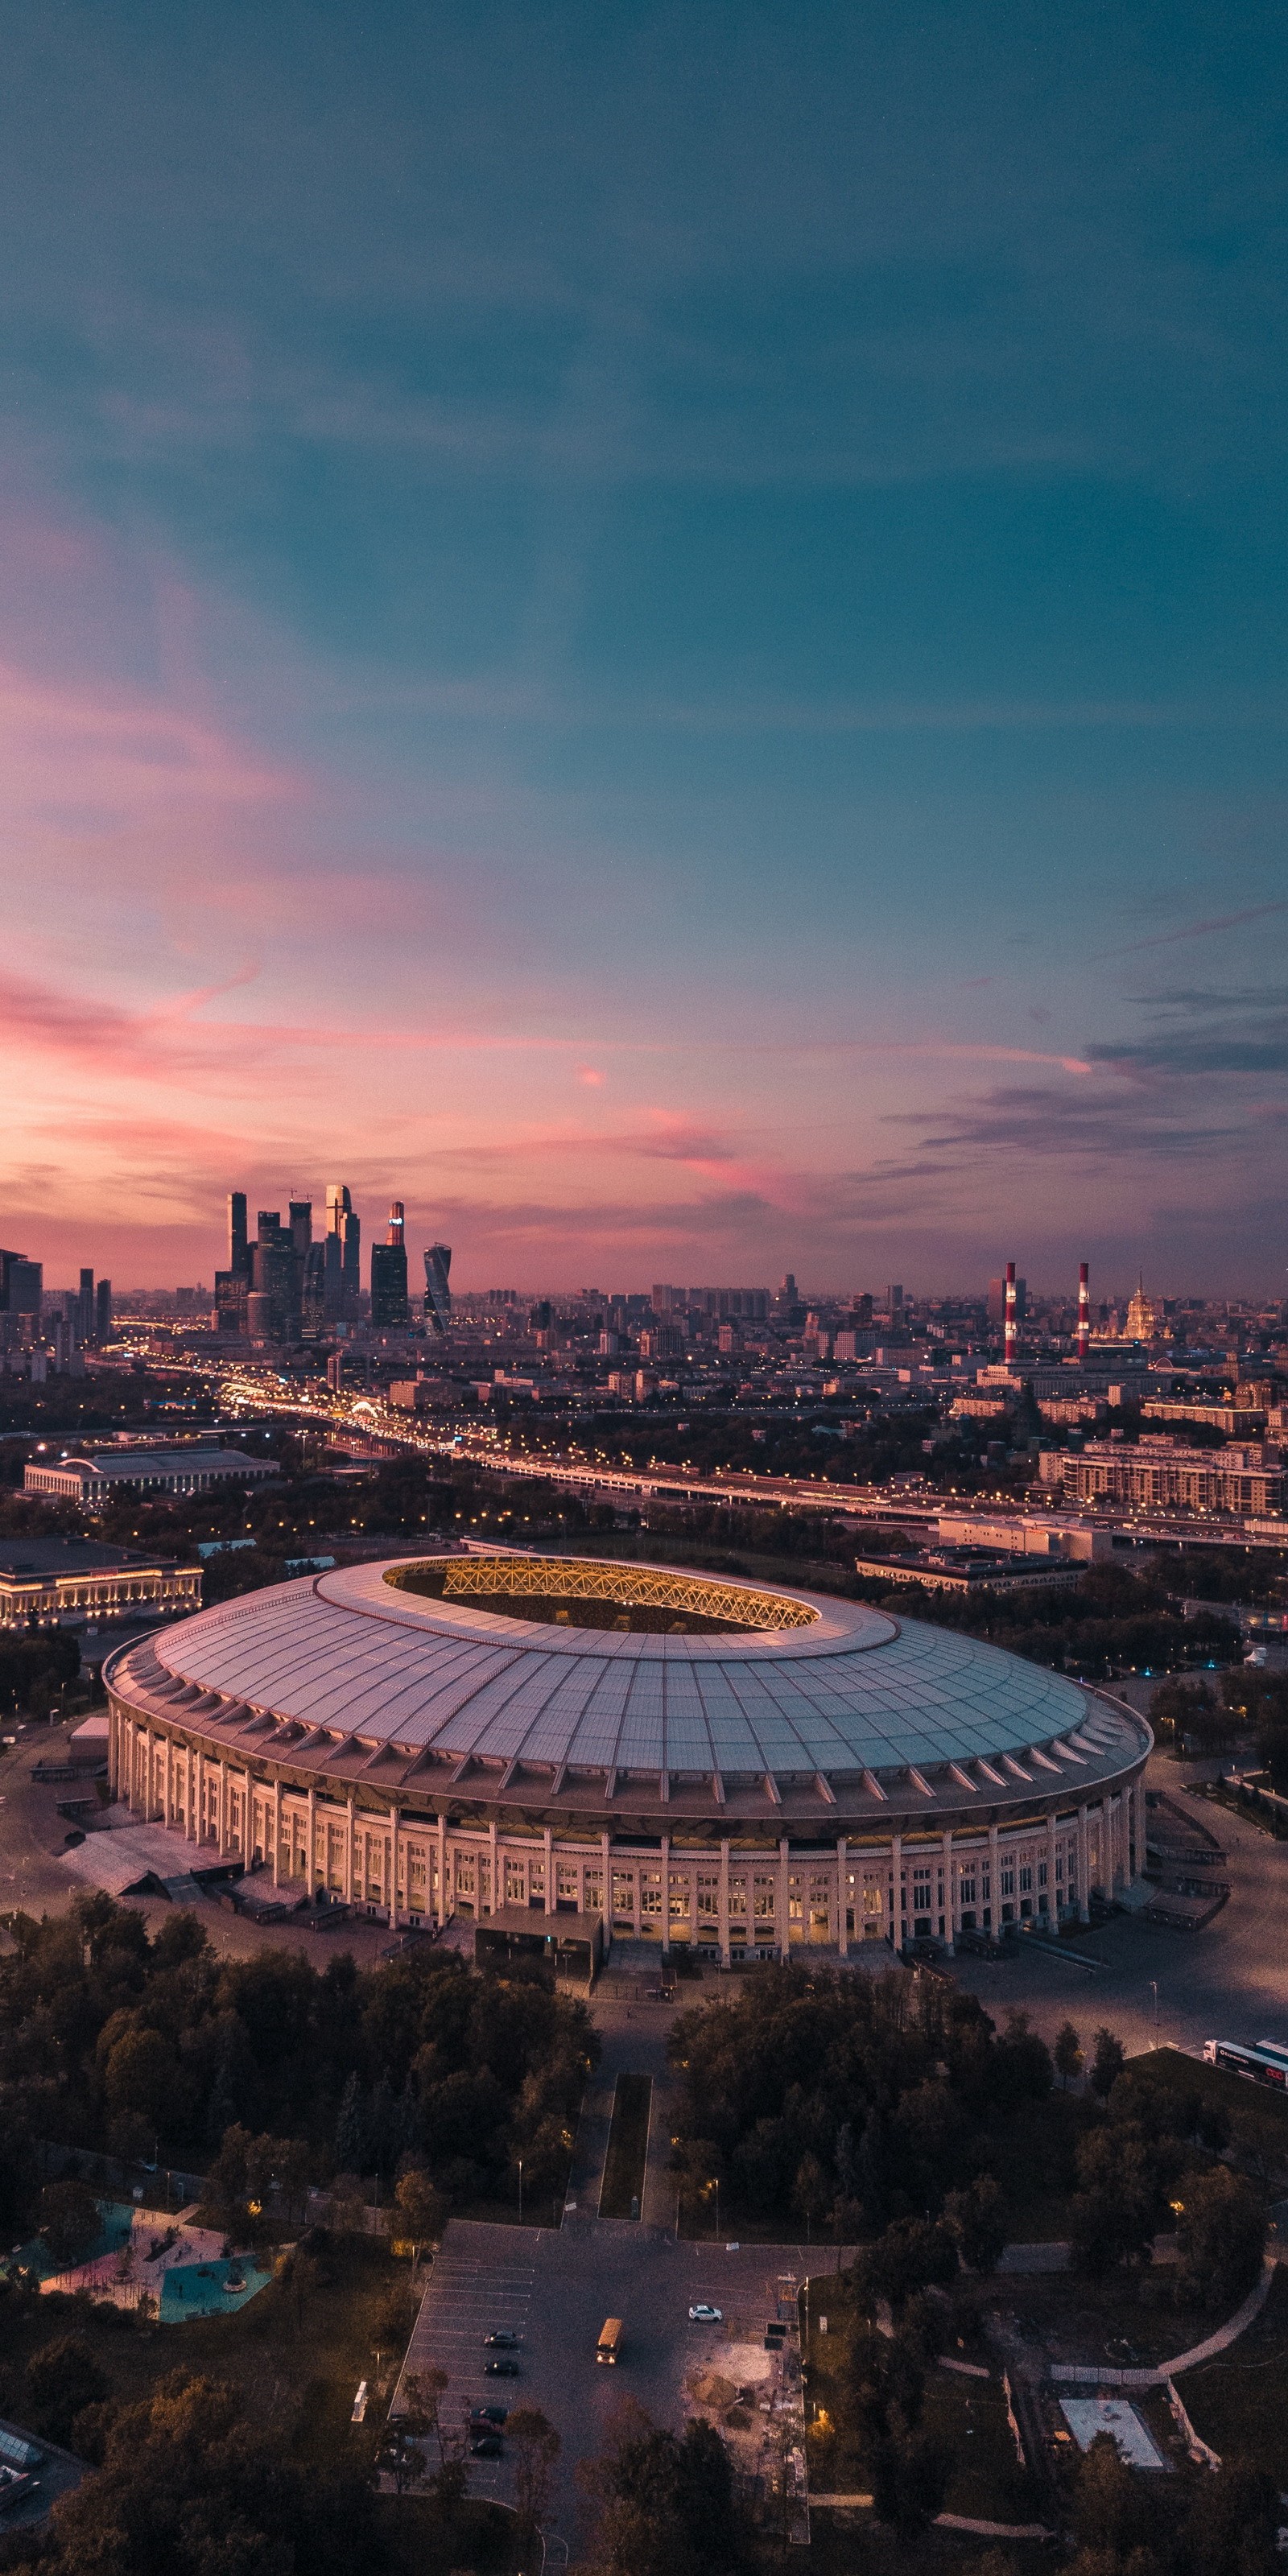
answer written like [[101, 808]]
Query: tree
[[1067, 2054], [977, 2218], [1112, 2510], [189, 2488], [1108, 2060], [299, 2278], [425, 2393], [399, 2453], [353, 2129], [1220, 2239], [812, 2194], [420, 2209], [69, 2221], [62, 2377], [536, 2447], [910, 2474], [1114, 2213]]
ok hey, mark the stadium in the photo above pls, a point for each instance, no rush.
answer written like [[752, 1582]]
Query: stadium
[[685, 1759]]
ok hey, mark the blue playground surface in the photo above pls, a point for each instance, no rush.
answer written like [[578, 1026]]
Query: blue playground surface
[[209, 2289]]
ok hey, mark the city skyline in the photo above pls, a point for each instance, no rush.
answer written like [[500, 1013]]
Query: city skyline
[[680, 665]]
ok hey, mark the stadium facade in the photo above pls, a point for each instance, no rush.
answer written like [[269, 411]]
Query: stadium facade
[[750, 1770]]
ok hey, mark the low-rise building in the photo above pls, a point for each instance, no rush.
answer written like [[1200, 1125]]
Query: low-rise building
[[71, 1583], [95, 1477]]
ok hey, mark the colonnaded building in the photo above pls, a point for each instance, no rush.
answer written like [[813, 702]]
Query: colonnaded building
[[687, 1759]]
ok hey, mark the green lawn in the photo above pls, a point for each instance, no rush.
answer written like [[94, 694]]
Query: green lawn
[[1239, 2402], [627, 2147], [1258, 2119]]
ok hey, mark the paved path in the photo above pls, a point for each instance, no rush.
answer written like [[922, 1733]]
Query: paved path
[[1230, 1980], [1086, 2374]]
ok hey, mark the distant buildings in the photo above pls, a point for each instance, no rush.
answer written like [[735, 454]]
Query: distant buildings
[[99, 1476], [1157, 1472], [62, 1583], [438, 1295], [390, 1311]]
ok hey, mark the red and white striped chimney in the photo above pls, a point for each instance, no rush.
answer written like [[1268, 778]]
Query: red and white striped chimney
[[1084, 1312], [1011, 1328]]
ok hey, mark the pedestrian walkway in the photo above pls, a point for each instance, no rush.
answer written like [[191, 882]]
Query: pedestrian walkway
[[1087, 2374]]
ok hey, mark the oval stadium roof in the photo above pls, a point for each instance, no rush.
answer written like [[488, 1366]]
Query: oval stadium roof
[[348, 1657]]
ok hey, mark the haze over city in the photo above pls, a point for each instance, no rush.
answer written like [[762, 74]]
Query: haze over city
[[662, 634]]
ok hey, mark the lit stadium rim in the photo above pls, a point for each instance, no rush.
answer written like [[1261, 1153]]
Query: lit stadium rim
[[739, 1766]]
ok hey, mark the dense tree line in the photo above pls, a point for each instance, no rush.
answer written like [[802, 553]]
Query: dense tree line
[[884, 2108], [34, 1664], [1108, 1621], [109, 2039]]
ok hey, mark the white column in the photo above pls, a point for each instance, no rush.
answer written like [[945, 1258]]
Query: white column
[[666, 1895], [842, 1896], [393, 1868], [443, 1908], [1084, 1866], [223, 1809], [995, 1882], [1053, 1909], [277, 1832], [494, 1900], [606, 1892], [896, 1901], [1142, 1824], [723, 1901], [198, 1784], [784, 1901], [167, 1778], [348, 1854], [950, 1891], [550, 1869]]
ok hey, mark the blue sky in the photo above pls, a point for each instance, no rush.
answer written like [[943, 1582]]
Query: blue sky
[[661, 630]]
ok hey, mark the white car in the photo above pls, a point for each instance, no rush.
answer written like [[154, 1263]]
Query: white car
[[702, 2315]]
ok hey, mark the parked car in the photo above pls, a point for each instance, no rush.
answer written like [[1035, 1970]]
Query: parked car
[[488, 2419], [501, 2341], [502, 2369], [486, 2446], [702, 2315]]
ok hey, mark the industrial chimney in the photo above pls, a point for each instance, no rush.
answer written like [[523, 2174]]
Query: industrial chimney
[[1084, 1313], [1011, 1329]]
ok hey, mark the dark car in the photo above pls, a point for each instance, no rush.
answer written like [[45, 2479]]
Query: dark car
[[501, 2341], [488, 2419], [486, 2446], [502, 2369]]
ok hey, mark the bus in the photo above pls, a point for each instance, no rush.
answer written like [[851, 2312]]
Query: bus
[[610, 2340], [1252, 2062]]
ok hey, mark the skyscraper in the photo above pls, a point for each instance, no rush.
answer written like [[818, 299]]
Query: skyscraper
[[389, 1308], [238, 1240], [103, 1311], [85, 1309], [345, 1277], [438, 1295]]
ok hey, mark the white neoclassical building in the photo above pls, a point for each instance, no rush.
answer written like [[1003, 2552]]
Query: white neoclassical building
[[693, 1759]]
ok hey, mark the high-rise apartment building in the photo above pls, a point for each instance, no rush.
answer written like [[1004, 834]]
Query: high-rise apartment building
[[438, 1295], [103, 1311], [85, 1309], [389, 1307]]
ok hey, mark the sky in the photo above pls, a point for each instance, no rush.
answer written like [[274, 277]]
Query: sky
[[659, 630]]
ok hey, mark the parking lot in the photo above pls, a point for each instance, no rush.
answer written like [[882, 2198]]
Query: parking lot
[[556, 2287]]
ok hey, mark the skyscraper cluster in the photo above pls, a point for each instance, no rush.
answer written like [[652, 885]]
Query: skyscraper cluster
[[282, 1285]]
